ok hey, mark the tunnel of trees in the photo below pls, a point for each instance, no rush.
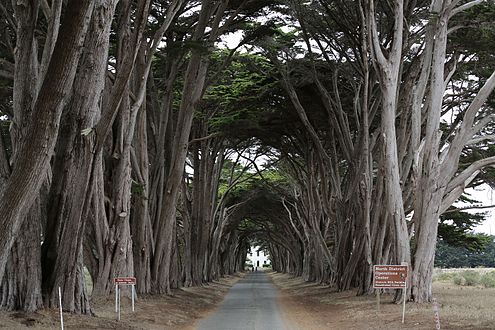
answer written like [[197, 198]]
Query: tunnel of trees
[[159, 139]]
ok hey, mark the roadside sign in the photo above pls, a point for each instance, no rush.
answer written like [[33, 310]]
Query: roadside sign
[[118, 281], [124, 280], [389, 276]]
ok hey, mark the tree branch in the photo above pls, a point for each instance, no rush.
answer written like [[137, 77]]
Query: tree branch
[[470, 208], [45, 7], [464, 176], [481, 139], [10, 19], [375, 39], [6, 74], [210, 136], [481, 124], [465, 131], [464, 7]]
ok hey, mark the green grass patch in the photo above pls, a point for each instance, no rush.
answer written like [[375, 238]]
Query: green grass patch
[[471, 277], [488, 280], [88, 281], [467, 277], [444, 277], [458, 279]]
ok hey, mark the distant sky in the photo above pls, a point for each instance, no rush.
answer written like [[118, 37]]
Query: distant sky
[[486, 196]]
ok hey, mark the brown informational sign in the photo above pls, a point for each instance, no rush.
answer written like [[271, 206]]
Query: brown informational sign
[[125, 280], [389, 276]]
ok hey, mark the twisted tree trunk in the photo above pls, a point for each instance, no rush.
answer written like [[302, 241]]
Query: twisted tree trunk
[[63, 247], [37, 148], [20, 288]]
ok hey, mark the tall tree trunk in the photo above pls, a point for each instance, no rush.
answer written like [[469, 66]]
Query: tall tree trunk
[[141, 227], [117, 258], [198, 219], [394, 202], [389, 68], [439, 184], [38, 146], [429, 191], [63, 250], [4, 163], [21, 285], [192, 91]]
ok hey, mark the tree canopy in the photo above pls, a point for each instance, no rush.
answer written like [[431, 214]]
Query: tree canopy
[[137, 140]]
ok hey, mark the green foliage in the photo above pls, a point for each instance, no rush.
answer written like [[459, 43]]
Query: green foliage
[[256, 32], [458, 279], [137, 189], [247, 225], [471, 277], [488, 280], [467, 278], [448, 256], [476, 37], [478, 32], [445, 277], [88, 281], [455, 228], [239, 95]]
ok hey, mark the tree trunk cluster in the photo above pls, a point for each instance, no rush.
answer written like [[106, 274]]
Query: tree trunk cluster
[[377, 177], [91, 187], [112, 168]]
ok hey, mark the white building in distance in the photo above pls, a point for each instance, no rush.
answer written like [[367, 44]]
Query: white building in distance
[[257, 257]]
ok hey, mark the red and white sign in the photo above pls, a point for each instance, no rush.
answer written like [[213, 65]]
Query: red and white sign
[[124, 280], [389, 276]]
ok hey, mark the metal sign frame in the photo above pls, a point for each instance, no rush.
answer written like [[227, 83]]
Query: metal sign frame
[[126, 281]]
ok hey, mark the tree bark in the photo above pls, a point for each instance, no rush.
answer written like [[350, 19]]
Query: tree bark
[[38, 146], [21, 286], [389, 69], [191, 93], [141, 226], [63, 247]]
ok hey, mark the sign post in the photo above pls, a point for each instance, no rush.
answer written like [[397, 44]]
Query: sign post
[[391, 277], [404, 293], [123, 281], [60, 308]]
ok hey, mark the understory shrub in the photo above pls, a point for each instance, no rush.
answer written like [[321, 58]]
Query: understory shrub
[[458, 279], [488, 280], [444, 277], [471, 277], [467, 278]]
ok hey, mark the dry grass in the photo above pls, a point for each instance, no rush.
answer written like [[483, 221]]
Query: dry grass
[[458, 270], [180, 311], [311, 306], [466, 307]]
